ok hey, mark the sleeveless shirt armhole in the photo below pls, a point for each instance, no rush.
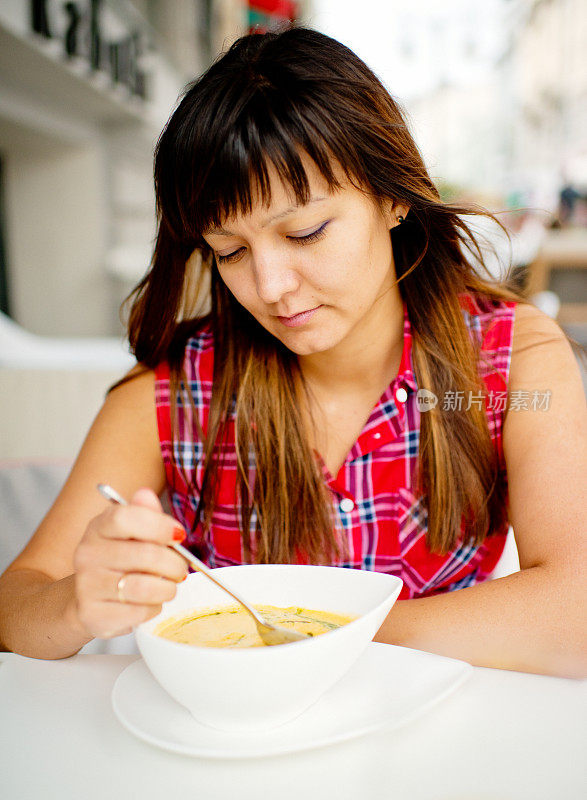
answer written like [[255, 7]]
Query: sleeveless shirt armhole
[[163, 409], [498, 341], [508, 336]]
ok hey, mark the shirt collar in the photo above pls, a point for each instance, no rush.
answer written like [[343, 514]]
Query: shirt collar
[[387, 421], [405, 375]]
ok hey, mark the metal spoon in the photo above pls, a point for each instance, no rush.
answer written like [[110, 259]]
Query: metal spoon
[[270, 634]]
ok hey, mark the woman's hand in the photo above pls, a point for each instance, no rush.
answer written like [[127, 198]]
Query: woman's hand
[[124, 567]]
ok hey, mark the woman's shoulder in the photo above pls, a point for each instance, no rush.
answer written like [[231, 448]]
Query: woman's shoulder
[[530, 318], [541, 350], [123, 438]]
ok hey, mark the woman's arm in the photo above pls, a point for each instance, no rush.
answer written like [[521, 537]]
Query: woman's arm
[[59, 593], [534, 620]]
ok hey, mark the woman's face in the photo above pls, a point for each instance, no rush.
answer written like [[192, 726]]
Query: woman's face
[[316, 276]]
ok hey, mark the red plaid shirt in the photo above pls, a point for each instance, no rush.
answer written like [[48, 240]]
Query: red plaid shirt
[[374, 497]]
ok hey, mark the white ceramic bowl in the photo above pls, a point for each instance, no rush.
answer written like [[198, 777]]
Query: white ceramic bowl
[[257, 688]]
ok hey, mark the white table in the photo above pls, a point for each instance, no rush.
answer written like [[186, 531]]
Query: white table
[[501, 735]]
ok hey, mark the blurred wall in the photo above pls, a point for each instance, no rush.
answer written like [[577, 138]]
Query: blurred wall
[[77, 133], [57, 248]]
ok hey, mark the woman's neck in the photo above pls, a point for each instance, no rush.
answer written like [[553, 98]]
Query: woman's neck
[[367, 358]]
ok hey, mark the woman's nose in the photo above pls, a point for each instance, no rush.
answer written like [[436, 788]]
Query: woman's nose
[[274, 277]]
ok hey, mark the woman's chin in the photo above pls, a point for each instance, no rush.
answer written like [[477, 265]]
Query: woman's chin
[[304, 340], [309, 344]]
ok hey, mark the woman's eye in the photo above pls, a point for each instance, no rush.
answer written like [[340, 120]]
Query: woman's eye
[[307, 239], [310, 237], [229, 257]]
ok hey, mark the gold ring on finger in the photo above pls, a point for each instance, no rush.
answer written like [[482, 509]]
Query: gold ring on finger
[[120, 589]]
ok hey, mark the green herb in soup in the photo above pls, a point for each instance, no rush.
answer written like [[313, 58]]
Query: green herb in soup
[[232, 626]]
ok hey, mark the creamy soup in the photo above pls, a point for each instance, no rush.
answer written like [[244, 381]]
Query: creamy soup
[[232, 626]]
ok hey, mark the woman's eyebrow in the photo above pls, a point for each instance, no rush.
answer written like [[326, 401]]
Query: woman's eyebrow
[[290, 210]]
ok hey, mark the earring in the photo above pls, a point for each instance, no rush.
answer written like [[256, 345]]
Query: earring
[[400, 219]]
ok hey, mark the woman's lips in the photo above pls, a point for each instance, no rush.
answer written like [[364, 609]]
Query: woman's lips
[[298, 319]]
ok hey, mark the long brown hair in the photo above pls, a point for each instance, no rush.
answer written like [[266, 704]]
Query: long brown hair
[[265, 99]]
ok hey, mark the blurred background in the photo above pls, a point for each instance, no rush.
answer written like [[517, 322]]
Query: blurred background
[[496, 97]]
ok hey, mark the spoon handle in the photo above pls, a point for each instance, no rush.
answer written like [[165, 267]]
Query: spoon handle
[[111, 494], [201, 567]]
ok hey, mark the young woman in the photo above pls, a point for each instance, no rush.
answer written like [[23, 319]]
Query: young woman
[[322, 378]]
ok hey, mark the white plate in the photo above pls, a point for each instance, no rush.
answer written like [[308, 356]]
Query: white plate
[[387, 687]]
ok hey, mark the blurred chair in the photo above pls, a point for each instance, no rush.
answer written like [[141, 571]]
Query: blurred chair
[[20, 349], [52, 388]]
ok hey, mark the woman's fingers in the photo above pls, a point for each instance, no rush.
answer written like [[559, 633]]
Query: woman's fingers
[[110, 603], [140, 589], [138, 522], [133, 556], [146, 497], [124, 567]]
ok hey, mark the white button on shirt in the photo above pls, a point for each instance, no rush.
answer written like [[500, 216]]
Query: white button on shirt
[[377, 435], [401, 395], [346, 505]]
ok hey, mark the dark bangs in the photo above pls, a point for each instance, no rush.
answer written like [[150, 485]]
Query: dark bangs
[[261, 107]]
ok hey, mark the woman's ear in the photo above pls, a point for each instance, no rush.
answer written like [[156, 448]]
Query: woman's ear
[[395, 213]]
